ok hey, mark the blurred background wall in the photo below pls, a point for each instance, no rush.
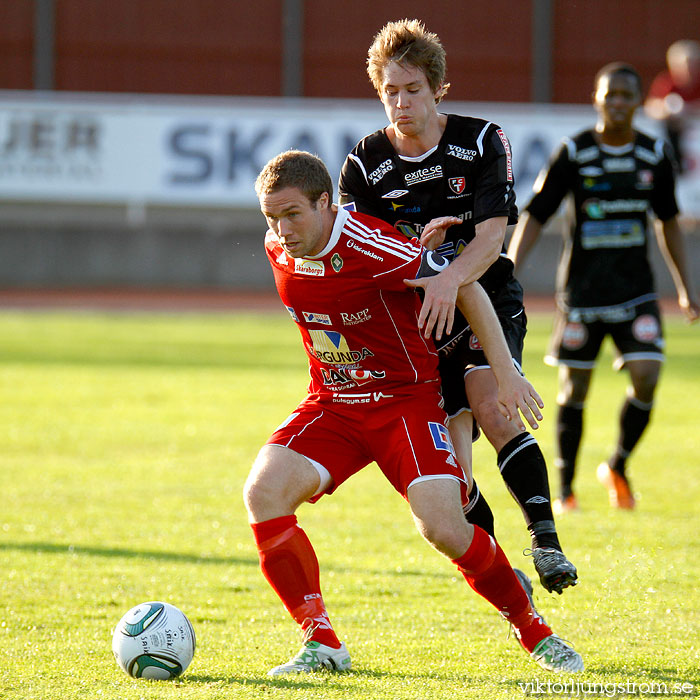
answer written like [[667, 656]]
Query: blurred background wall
[[64, 52]]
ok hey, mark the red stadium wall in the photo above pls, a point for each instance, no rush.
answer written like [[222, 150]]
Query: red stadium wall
[[16, 45], [221, 47]]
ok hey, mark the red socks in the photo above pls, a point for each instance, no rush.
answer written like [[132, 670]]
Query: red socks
[[486, 569], [289, 564]]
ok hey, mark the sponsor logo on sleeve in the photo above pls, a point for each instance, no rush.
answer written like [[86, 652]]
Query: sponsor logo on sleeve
[[292, 313], [315, 268], [506, 148], [311, 317]]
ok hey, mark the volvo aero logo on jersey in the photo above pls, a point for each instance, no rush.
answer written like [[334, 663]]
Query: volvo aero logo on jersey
[[457, 184], [331, 348], [423, 175], [394, 194], [311, 317], [354, 319], [459, 152], [315, 268], [376, 175]]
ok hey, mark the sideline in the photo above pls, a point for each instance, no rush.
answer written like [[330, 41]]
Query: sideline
[[192, 300]]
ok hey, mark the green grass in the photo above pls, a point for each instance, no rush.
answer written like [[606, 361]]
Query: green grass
[[124, 444]]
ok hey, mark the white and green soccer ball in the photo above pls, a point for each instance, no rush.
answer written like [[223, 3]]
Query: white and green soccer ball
[[154, 640]]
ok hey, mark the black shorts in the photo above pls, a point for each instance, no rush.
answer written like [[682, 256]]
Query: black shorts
[[635, 328], [466, 355]]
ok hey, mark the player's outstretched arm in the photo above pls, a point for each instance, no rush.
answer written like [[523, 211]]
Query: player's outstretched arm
[[670, 239], [515, 393], [524, 237]]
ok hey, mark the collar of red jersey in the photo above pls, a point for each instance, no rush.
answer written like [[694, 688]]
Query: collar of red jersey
[[342, 215]]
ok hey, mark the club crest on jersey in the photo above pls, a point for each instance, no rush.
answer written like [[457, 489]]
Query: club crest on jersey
[[337, 262], [457, 184], [311, 317], [645, 179], [315, 268], [331, 348]]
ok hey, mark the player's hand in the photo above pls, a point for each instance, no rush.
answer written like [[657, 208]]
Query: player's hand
[[516, 396], [690, 308], [438, 310], [436, 229]]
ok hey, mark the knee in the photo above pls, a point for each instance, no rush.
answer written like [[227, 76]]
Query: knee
[[496, 427], [644, 388], [451, 539], [279, 481], [258, 494], [262, 490]]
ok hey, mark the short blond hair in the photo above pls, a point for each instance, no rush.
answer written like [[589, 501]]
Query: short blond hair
[[300, 169], [408, 41]]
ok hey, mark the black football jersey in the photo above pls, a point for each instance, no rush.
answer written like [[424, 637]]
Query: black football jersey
[[610, 191], [469, 175]]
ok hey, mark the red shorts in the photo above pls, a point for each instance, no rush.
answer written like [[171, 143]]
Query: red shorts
[[405, 435]]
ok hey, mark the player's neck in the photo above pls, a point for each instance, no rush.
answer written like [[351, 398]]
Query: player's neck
[[415, 145], [614, 137]]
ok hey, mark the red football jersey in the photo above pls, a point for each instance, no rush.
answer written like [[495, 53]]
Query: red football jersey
[[358, 320]]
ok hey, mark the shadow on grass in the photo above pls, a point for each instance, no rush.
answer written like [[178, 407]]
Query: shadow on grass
[[62, 548], [346, 680], [187, 558]]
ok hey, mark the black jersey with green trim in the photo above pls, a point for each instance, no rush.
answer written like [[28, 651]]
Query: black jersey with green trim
[[610, 193], [469, 175]]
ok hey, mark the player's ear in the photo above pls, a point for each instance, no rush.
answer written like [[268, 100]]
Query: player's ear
[[324, 201]]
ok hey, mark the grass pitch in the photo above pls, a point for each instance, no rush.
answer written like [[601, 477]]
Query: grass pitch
[[124, 444]]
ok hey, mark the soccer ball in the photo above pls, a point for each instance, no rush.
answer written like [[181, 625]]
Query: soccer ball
[[154, 640]]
